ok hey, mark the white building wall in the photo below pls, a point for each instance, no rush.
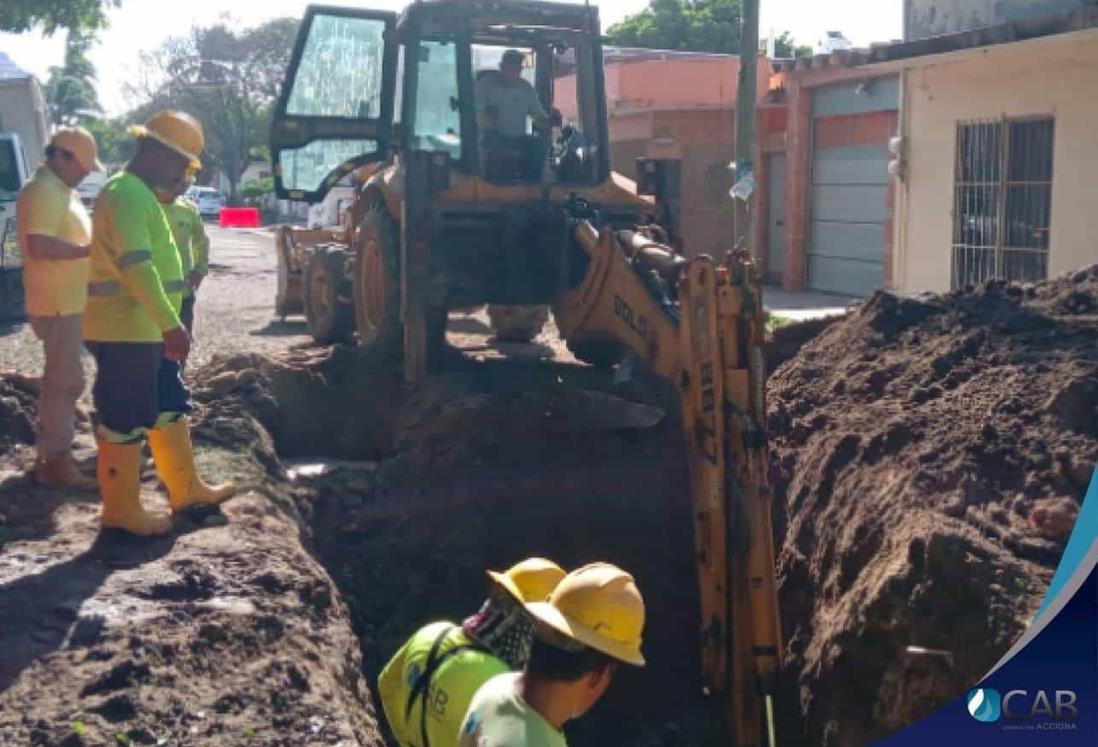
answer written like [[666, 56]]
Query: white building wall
[[1054, 76]]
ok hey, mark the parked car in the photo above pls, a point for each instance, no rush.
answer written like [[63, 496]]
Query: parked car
[[90, 187], [208, 200]]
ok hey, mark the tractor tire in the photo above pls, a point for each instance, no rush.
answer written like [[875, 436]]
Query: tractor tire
[[288, 293], [328, 310], [602, 354], [377, 288], [517, 323], [377, 282]]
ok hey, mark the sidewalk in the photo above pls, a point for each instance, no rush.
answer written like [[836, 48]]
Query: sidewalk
[[802, 305]]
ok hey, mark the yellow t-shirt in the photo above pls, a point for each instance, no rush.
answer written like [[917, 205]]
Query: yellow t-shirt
[[190, 238], [48, 207], [136, 284]]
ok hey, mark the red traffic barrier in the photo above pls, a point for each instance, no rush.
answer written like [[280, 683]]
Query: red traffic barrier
[[238, 217]]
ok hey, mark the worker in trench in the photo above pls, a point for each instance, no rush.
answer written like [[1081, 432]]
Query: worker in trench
[[54, 233], [190, 237], [427, 686], [133, 329], [592, 622]]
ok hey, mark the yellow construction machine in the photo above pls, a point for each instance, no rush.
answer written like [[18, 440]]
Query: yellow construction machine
[[444, 219]]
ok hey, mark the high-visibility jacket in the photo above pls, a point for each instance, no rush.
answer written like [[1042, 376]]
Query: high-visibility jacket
[[190, 238], [460, 668], [46, 206], [136, 286]]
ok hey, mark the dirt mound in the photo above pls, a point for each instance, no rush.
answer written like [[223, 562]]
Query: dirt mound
[[928, 458], [227, 632], [18, 396]]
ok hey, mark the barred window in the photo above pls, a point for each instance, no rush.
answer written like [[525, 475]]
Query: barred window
[[1002, 200]]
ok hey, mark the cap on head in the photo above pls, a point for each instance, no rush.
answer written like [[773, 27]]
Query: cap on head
[[177, 131], [512, 58], [81, 144], [600, 607], [530, 580]]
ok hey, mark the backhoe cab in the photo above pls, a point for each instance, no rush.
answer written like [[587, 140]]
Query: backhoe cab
[[446, 214]]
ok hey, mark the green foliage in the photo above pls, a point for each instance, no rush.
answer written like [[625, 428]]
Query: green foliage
[[774, 321], [254, 190], [114, 142], [687, 25], [50, 15], [79, 729], [699, 26], [70, 90], [227, 78], [785, 46]]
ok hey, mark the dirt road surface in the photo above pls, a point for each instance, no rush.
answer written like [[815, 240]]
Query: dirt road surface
[[235, 311]]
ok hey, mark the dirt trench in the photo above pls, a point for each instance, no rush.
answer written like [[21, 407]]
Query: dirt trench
[[927, 455], [488, 463]]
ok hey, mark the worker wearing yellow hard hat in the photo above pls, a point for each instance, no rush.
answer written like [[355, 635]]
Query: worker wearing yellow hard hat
[[191, 240], [54, 233], [593, 620], [133, 329], [426, 687]]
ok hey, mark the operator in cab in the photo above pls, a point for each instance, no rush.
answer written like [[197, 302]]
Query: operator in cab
[[503, 102]]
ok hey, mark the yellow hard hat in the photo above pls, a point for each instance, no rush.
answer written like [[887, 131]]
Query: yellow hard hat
[[530, 580], [81, 144], [176, 130], [599, 606]]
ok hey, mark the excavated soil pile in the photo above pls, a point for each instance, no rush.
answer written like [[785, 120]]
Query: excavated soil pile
[[17, 410], [227, 632], [929, 456]]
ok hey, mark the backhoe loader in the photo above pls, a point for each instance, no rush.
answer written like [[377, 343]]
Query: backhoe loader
[[440, 221]]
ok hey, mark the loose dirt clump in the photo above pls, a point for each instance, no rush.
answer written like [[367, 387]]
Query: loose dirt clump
[[928, 458], [17, 410]]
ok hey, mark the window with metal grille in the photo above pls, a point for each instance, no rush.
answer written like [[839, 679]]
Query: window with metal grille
[[1001, 200]]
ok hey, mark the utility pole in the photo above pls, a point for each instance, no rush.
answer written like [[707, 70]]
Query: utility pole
[[746, 93]]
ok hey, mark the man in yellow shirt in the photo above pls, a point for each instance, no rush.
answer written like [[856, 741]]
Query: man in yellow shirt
[[54, 234], [194, 245], [133, 329]]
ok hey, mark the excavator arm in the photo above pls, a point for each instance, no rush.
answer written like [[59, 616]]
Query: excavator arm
[[700, 324]]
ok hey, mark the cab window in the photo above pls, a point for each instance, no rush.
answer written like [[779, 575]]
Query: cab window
[[438, 116]]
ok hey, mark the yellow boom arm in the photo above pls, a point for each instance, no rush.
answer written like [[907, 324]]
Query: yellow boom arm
[[711, 345]]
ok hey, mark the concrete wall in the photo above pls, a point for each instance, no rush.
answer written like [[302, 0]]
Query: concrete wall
[[926, 18], [1056, 76], [23, 111]]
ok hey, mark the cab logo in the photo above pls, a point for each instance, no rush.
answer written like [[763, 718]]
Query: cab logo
[[1019, 706]]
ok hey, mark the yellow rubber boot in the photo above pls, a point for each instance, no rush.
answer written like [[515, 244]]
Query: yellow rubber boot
[[174, 457], [119, 476]]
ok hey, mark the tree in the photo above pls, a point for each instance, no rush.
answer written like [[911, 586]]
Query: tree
[[688, 25], [70, 90], [228, 79], [18, 16], [785, 46], [115, 144]]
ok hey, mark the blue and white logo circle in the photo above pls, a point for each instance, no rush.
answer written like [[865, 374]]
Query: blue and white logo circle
[[984, 704]]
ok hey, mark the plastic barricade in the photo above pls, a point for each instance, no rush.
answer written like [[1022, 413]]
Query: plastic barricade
[[238, 217]]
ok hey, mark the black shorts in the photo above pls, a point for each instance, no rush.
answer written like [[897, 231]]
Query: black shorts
[[134, 384]]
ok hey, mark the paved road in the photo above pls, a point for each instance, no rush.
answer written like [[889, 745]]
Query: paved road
[[235, 311]]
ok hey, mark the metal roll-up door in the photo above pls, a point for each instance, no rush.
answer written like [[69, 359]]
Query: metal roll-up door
[[848, 208]]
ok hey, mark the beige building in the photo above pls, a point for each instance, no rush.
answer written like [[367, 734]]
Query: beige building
[[1000, 157]]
